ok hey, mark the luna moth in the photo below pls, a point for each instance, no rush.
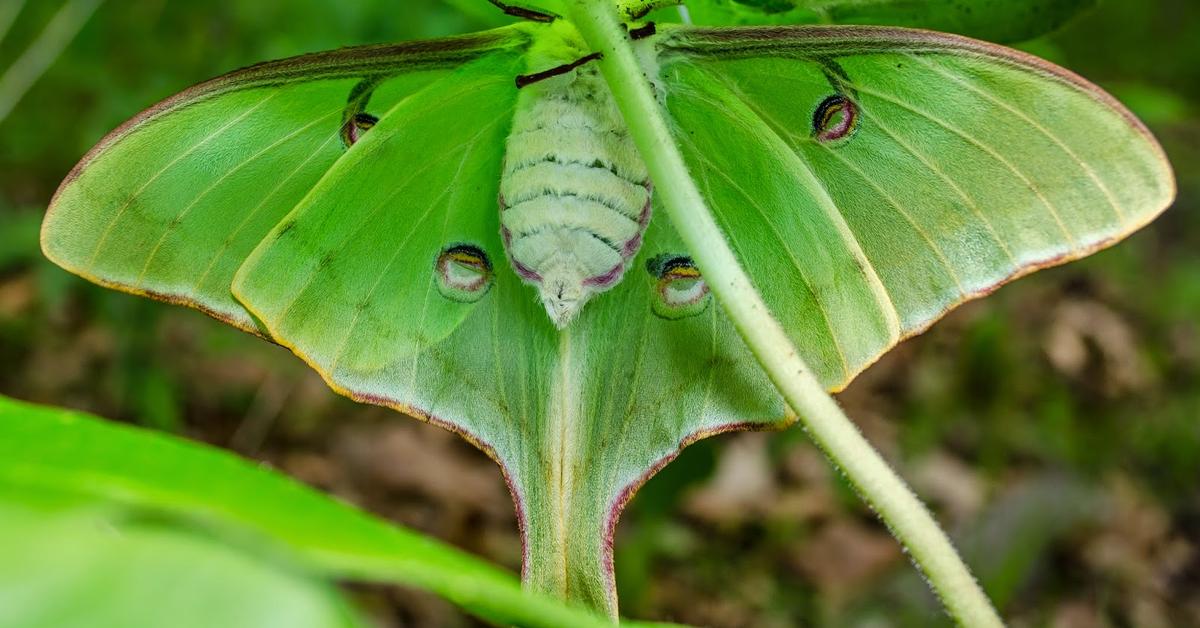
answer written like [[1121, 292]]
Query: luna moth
[[460, 229]]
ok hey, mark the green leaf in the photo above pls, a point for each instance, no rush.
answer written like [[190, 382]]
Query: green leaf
[[71, 480], [1002, 21], [102, 567]]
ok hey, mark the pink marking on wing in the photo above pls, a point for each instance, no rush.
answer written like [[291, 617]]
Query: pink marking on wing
[[644, 218], [526, 272], [477, 284], [844, 126], [500, 191]]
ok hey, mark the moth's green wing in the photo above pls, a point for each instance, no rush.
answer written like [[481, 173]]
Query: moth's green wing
[[170, 204], [969, 165], [577, 419], [349, 278]]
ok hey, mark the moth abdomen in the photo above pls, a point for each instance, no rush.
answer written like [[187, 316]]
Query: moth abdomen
[[574, 193], [591, 184], [576, 146], [570, 212]]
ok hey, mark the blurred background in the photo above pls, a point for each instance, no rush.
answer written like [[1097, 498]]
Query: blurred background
[[1054, 427]]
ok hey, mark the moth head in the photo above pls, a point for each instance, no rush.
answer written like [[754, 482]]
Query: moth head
[[563, 294]]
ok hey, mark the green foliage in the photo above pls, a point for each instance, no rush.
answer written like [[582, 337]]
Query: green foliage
[[106, 567], [104, 525], [1001, 21]]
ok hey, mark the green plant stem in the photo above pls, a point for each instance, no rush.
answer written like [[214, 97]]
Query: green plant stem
[[36, 59], [909, 520]]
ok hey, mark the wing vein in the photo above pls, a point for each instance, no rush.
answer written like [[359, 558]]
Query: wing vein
[[750, 200], [365, 220], [252, 213], [782, 131], [937, 171], [501, 388], [174, 224], [121, 211], [988, 150], [884, 301], [354, 322], [1083, 165], [635, 382], [937, 250], [429, 289]]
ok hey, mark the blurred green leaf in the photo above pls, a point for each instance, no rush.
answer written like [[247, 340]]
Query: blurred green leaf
[[1155, 105], [97, 567], [994, 20], [19, 237], [181, 486], [43, 51]]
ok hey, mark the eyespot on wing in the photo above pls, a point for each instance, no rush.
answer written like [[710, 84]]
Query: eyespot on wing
[[835, 119], [464, 273], [680, 291], [356, 126]]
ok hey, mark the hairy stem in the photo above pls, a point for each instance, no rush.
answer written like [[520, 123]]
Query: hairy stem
[[834, 433]]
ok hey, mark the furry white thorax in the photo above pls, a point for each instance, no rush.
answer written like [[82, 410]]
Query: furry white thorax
[[574, 193]]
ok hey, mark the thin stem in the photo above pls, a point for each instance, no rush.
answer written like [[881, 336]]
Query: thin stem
[[828, 426], [30, 66]]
